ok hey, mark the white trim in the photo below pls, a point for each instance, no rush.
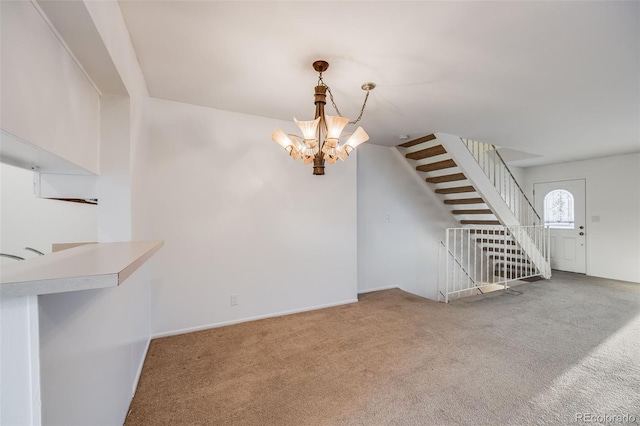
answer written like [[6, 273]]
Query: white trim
[[139, 373], [34, 353], [371, 290], [259, 317], [64, 44]]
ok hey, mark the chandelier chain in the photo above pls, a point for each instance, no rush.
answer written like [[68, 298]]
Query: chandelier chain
[[333, 102]]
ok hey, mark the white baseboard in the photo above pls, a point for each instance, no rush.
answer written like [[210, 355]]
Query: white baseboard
[[370, 290], [139, 372], [259, 317]]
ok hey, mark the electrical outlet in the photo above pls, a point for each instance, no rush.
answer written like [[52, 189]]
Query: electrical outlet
[[234, 300]]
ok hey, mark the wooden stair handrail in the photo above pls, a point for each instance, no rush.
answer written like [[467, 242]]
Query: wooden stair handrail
[[516, 182]]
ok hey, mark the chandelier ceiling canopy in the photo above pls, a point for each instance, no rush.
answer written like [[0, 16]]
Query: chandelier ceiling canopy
[[320, 138]]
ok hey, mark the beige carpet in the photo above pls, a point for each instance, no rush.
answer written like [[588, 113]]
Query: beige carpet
[[545, 353]]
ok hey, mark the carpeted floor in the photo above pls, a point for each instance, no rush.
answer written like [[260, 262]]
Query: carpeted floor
[[548, 352]]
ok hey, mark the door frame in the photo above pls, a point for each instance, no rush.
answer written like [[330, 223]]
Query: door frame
[[587, 214]]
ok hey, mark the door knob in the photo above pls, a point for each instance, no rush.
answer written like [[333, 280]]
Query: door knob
[[582, 233], [581, 227]]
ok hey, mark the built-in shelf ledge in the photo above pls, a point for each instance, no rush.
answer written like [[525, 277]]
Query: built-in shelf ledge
[[86, 267]]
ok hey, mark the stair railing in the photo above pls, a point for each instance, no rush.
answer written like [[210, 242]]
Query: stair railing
[[455, 278], [473, 258], [464, 268], [499, 174]]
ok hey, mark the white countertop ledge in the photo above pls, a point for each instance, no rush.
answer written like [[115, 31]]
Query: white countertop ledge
[[86, 267]]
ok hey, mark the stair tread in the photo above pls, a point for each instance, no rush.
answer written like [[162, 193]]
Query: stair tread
[[439, 165], [513, 266], [447, 178], [523, 261], [490, 241], [426, 153], [473, 211], [501, 250], [455, 190], [465, 201], [487, 231], [418, 141]]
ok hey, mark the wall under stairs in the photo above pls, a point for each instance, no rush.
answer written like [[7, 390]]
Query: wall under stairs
[[403, 250]]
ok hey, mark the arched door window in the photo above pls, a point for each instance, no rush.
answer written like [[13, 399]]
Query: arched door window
[[558, 209]]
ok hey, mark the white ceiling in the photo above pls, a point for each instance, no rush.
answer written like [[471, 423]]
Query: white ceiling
[[558, 80]]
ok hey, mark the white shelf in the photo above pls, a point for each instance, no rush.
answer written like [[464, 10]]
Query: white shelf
[[86, 267]]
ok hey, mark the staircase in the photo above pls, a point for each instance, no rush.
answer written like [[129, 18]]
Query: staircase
[[501, 238]]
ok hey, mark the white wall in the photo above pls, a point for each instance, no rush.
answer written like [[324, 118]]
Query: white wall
[[92, 345], [403, 251], [238, 216], [114, 183], [46, 99], [20, 362], [613, 194]]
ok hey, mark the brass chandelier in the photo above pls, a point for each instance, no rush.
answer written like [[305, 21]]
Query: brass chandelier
[[321, 137]]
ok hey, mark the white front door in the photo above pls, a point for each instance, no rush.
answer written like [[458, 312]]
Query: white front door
[[562, 207]]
